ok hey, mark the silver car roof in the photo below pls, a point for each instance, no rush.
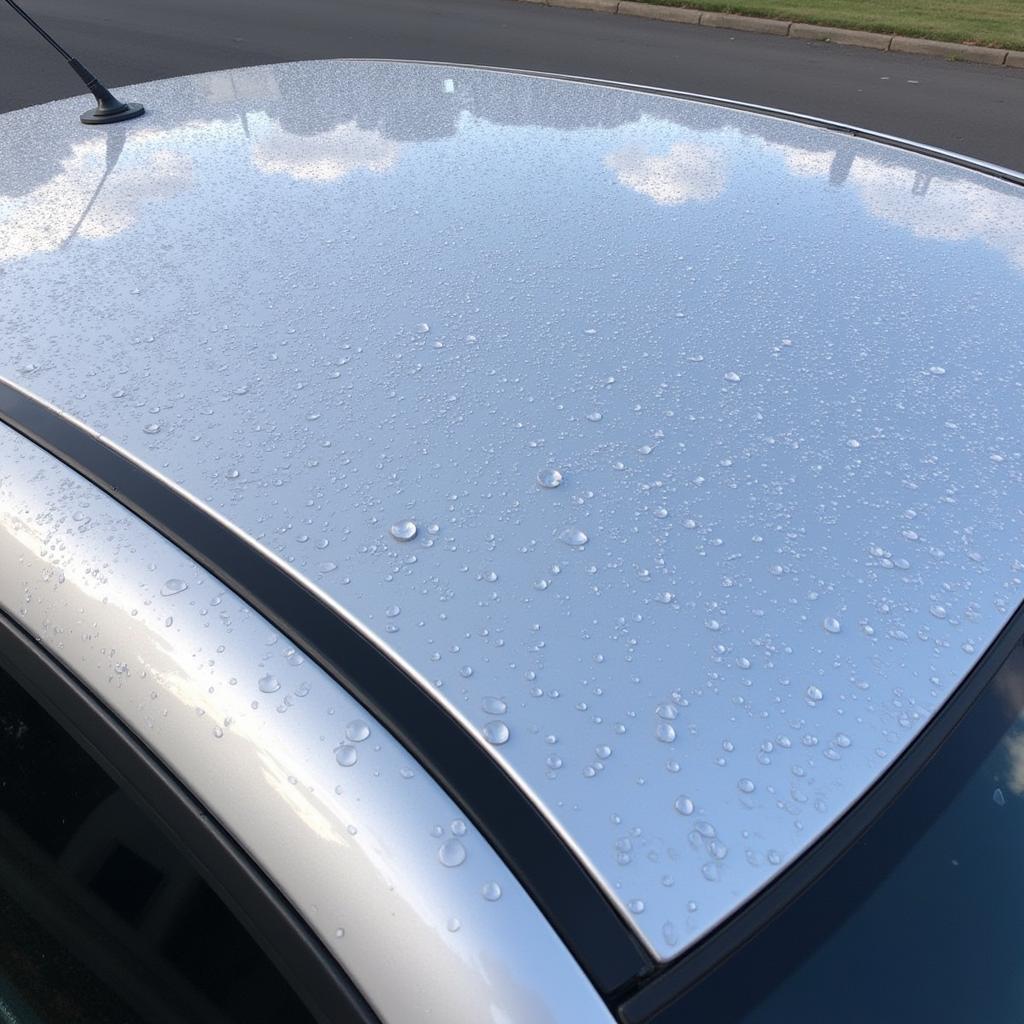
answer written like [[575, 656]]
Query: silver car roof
[[673, 448]]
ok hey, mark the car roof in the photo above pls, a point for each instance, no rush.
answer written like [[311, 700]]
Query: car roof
[[364, 311]]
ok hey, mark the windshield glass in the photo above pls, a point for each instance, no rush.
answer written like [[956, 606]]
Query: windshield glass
[[918, 920]]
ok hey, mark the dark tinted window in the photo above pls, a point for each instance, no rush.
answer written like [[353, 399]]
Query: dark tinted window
[[102, 918], [919, 919]]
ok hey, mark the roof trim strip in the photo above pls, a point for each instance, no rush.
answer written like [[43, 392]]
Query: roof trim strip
[[564, 891]]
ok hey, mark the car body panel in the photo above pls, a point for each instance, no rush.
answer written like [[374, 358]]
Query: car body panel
[[777, 367], [378, 860]]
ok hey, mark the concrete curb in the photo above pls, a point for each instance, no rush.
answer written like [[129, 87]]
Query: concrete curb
[[798, 30]]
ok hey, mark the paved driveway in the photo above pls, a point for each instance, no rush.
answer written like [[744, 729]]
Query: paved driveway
[[973, 109]]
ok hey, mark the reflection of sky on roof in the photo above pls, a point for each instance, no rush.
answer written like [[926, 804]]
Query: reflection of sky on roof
[[802, 348]]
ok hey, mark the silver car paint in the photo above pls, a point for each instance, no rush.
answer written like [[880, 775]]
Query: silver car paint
[[778, 367], [335, 810]]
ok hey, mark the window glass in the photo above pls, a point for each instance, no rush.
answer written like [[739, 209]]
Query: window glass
[[104, 920], [918, 919]]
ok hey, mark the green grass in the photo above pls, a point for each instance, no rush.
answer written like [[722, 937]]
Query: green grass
[[986, 22]]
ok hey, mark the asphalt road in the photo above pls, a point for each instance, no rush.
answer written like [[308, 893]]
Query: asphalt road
[[969, 108]]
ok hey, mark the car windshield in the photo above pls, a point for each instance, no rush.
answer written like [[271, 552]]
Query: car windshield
[[919, 919]]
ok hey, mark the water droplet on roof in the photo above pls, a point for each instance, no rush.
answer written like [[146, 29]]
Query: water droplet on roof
[[665, 732], [172, 587], [574, 537], [496, 733], [684, 805], [346, 755], [451, 853], [269, 684], [549, 478], [404, 529], [357, 730]]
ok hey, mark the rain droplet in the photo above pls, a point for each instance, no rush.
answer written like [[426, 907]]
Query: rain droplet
[[392, 610], [665, 732], [814, 694], [684, 805], [998, 798], [346, 755], [733, 377], [594, 417], [494, 706], [404, 529], [491, 891], [574, 537], [454, 924], [832, 625], [549, 478], [151, 428], [172, 587], [496, 733], [357, 730], [745, 786], [269, 684], [451, 853]]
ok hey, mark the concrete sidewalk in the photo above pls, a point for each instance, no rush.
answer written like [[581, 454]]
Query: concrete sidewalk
[[798, 30]]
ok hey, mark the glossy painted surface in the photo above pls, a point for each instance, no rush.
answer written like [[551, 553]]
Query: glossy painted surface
[[777, 368], [418, 909]]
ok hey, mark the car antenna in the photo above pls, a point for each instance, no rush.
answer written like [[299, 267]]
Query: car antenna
[[108, 107]]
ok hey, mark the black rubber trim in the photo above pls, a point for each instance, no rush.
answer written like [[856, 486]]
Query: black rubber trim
[[672, 983], [572, 901], [305, 963]]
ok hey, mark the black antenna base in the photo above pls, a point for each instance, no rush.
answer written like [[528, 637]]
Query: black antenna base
[[108, 107], [108, 114]]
